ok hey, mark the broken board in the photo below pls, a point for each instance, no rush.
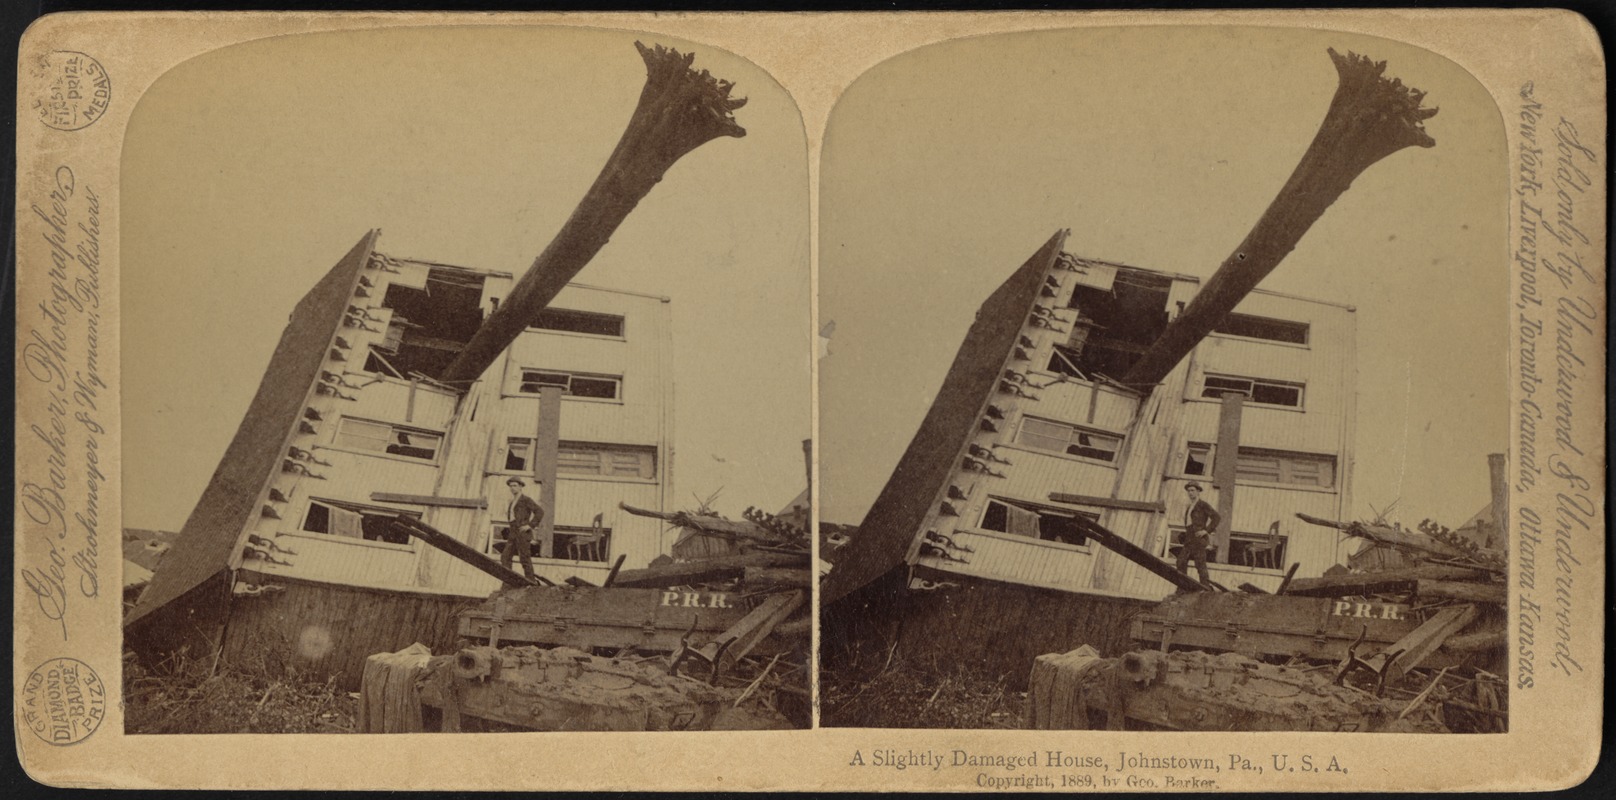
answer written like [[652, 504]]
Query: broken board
[[1317, 628], [583, 617]]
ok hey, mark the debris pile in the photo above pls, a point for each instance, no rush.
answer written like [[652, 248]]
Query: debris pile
[[1420, 647], [719, 642]]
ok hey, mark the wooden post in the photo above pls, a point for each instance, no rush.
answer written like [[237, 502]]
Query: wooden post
[[1497, 466], [546, 448], [1223, 469]]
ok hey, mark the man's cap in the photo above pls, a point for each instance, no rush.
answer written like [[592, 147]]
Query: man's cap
[[515, 482], [1192, 485]]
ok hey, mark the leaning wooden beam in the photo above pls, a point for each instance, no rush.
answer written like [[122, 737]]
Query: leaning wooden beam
[[704, 571], [775, 578], [1391, 580], [752, 628], [1137, 555], [1389, 536], [462, 551], [1421, 642], [1369, 118], [679, 110]]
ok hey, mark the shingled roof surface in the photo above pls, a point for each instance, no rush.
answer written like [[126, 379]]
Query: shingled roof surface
[[229, 503], [883, 538]]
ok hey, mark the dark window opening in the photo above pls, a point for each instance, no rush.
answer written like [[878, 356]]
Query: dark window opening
[[570, 543], [566, 319], [1274, 330], [431, 326], [1036, 522], [355, 522], [1114, 327], [380, 437], [600, 387], [1265, 392], [1257, 550]]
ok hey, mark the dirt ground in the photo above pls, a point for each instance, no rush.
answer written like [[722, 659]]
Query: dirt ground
[[906, 696], [191, 697]]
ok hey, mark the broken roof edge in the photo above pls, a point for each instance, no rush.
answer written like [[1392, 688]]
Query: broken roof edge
[[208, 542], [884, 537]]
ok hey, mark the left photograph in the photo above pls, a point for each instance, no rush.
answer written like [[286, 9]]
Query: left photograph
[[466, 387]]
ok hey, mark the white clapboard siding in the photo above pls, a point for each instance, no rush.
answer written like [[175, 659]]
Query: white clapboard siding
[[1015, 559]]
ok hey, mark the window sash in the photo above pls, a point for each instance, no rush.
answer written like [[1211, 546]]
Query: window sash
[[1268, 466], [386, 439], [573, 384], [1059, 437], [1256, 390], [578, 458]]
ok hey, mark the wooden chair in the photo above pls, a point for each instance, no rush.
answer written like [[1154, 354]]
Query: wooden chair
[[1266, 554], [588, 544]]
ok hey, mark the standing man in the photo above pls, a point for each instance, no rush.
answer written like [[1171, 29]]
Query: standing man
[[1200, 520], [524, 514]]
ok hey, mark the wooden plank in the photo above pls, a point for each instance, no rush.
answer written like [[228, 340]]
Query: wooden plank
[[646, 619], [1225, 469], [772, 577], [1424, 640], [429, 500], [1137, 555], [704, 571], [1391, 580], [462, 551], [1107, 502], [546, 451], [755, 626], [1494, 593]]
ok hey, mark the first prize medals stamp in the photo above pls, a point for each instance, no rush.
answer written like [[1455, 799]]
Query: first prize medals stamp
[[63, 701], [74, 90]]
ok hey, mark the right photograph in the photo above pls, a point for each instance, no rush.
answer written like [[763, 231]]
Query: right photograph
[[1163, 386]]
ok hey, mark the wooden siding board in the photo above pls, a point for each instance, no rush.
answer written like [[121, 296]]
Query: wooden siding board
[[908, 497], [230, 503]]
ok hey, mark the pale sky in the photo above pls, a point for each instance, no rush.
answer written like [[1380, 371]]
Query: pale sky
[[248, 172], [945, 168]]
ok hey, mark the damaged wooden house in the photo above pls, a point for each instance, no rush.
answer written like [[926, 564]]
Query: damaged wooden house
[[1045, 485], [403, 396], [352, 425]]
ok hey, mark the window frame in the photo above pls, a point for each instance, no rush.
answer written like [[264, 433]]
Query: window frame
[[1306, 329], [1021, 428], [1247, 479], [1251, 393], [1038, 508], [496, 526], [1175, 535], [359, 508], [620, 336], [514, 386], [500, 460], [342, 422]]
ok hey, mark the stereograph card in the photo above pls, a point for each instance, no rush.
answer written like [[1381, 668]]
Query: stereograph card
[[1078, 402]]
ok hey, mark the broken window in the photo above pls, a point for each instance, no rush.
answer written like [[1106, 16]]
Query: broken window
[[573, 384], [586, 458], [570, 321], [1035, 521], [431, 325], [353, 521], [1274, 330], [1058, 437], [1115, 325], [571, 543], [381, 437], [1262, 465], [1257, 390]]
